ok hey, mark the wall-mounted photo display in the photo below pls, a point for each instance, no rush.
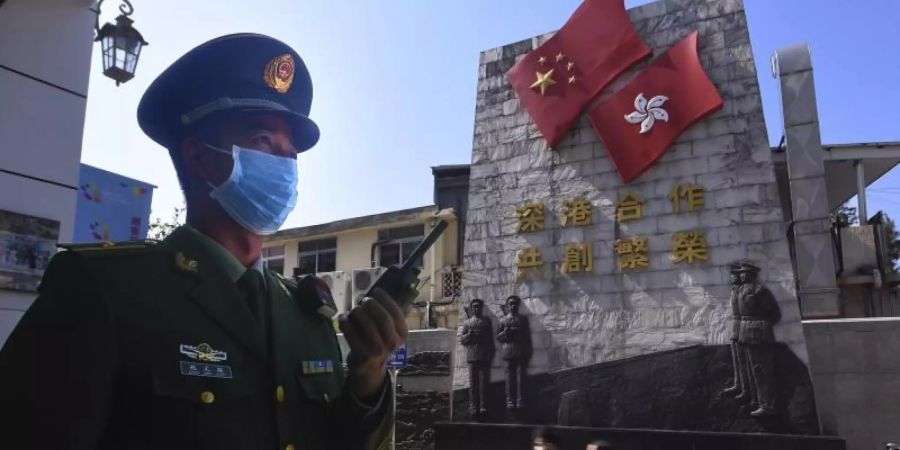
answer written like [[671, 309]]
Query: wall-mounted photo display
[[26, 245]]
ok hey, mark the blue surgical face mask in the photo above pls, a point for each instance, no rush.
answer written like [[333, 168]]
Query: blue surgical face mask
[[261, 191]]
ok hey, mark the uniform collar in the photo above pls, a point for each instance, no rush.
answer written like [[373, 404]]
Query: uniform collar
[[210, 281], [258, 266], [205, 249]]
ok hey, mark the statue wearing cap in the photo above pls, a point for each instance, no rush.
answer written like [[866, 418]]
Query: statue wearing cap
[[515, 334], [740, 388], [192, 342], [758, 313], [477, 336]]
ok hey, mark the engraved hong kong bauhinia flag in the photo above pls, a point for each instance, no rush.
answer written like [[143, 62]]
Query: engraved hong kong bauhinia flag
[[638, 123], [555, 81]]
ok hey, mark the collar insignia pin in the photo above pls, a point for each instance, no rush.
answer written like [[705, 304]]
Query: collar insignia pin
[[185, 264]]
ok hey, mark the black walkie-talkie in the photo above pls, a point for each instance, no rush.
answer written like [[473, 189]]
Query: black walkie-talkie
[[401, 280]]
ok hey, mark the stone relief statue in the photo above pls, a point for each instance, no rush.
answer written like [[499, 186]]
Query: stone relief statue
[[515, 335], [477, 335], [756, 312], [737, 356]]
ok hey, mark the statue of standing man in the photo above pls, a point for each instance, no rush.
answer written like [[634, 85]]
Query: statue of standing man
[[477, 336], [740, 389], [759, 312], [515, 335]]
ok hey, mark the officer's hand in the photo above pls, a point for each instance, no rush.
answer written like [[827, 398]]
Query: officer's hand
[[373, 329]]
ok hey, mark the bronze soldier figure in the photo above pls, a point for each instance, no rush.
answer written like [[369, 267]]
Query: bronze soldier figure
[[478, 338], [515, 335], [738, 359], [759, 314]]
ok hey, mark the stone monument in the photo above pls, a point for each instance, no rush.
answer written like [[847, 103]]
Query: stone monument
[[624, 265]]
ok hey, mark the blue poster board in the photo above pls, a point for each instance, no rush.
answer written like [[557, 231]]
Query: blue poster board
[[111, 207], [398, 358]]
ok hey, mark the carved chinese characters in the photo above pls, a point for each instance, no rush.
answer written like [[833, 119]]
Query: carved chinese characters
[[631, 251]]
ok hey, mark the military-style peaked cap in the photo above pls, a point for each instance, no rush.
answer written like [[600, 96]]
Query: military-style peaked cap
[[235, 73]]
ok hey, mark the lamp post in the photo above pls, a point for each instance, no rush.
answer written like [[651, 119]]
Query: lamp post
[[120, 43]]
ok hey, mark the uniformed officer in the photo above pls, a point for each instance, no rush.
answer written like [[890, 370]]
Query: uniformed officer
[[192, 343]]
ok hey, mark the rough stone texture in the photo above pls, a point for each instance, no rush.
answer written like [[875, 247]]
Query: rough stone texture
[[417, 412], [856, 373], [675, 390], [606, 315], [454, 436], [427, 364], [814, 251]]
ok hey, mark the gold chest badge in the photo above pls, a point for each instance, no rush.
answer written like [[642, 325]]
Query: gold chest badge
[[279, 73]]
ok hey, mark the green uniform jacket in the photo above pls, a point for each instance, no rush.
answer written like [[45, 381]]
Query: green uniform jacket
[[106, 358]]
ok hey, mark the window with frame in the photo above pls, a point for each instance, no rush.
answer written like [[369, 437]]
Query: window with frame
[[398, 243], [317, 256], [273, 259]]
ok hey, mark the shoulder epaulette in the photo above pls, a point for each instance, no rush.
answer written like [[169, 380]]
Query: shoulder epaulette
[[107, 246], [282, 277]]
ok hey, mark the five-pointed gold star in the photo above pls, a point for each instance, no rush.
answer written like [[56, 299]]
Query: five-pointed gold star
[[570, 65], [542, 60], [543, 81], [572, 79], [560, 57]]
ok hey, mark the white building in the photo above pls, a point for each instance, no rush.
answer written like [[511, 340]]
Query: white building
[[45, 57]]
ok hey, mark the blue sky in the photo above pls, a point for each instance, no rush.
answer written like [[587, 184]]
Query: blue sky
[[395, 85]]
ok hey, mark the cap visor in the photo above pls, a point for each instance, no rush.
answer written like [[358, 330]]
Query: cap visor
[[305, 131]]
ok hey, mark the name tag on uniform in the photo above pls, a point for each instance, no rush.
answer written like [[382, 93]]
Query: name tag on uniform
[[192, 369], [317, 366]]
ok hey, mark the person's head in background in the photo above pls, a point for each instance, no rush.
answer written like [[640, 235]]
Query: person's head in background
[[599, 445], [512, 304], [544, 439]]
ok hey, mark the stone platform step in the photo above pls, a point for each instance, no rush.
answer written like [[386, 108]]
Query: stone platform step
[[485, 436], [679, 389]]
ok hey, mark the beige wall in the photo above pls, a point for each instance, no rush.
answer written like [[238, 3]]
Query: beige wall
[[48, 40], [449, 237], [855, 371], [290, 257], [354, 249]]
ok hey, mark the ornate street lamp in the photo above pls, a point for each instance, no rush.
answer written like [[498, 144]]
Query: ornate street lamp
[[121, 44]]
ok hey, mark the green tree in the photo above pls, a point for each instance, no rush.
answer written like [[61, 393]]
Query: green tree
[[846, 216], [159, 229], [893, 241]]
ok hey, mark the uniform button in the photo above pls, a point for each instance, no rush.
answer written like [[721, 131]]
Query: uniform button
[[207, 397], [279, 394], [289, 447]]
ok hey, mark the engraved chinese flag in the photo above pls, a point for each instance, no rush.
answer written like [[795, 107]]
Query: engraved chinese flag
[[555, 81], [638, 123]]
